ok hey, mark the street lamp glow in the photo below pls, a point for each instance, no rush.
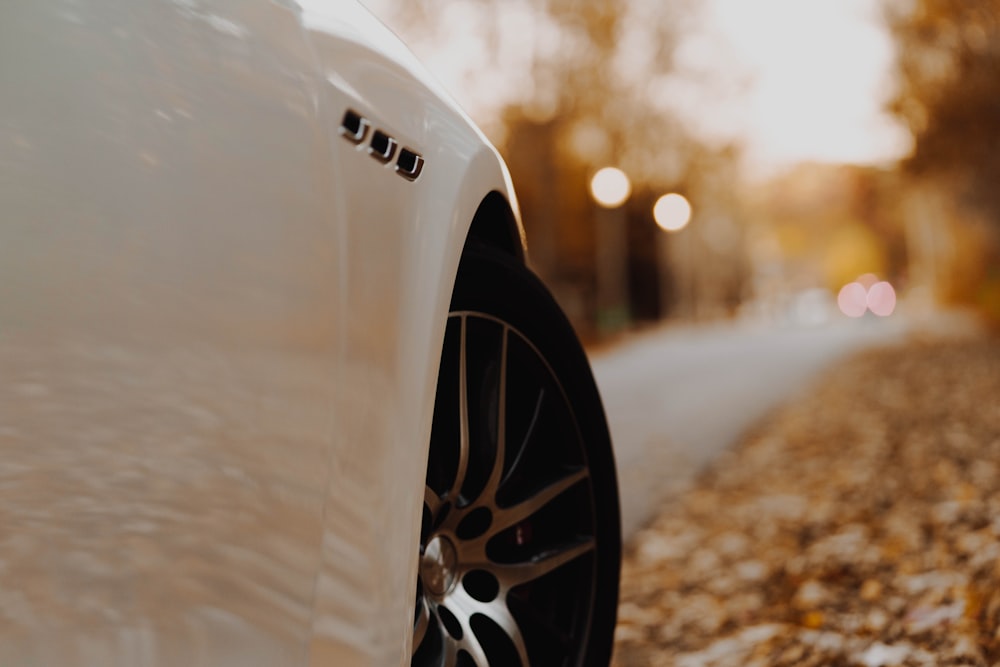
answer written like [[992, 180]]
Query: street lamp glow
[[672, 212], [610, 187]]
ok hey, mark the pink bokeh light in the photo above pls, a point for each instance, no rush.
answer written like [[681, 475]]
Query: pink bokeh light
[[853, 299], [881, 299]]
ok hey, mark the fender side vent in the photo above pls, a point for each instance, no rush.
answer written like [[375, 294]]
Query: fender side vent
[[353, 127], [382, 146], [409, 165]]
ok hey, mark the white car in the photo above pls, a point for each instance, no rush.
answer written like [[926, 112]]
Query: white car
[[276, 386]]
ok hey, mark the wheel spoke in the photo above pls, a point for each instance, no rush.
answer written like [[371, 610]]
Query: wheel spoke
[[432, 501], [497, 612], [463, 417], [506, 517], [506, 622], [450, 653], [527, 436], [472, 646], [488, 495], [422, 622], [515, 574], [522, 650]]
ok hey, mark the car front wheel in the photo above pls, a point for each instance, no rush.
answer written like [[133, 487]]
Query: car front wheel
[[520, 541]]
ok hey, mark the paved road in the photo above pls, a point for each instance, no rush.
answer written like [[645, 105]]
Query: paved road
[[678, 396]]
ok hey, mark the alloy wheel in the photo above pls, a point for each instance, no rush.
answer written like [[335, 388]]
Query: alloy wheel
[[508, 550]]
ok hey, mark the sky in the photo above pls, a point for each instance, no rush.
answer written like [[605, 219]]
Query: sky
[[808, 81], [791, 80]]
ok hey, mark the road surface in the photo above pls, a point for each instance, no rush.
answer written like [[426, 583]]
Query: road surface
[[678, 396]]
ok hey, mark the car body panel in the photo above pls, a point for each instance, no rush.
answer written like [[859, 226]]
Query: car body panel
[[220, 325]]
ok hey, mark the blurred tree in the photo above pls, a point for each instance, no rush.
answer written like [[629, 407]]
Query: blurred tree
[[595, 105], [949, 95], [948, 55], [822, 225], [575, 86]]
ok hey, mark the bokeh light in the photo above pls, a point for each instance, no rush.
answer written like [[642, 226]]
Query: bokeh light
[[853, 299], [672, 212], [610, 187], [881, 299], [867, 293]]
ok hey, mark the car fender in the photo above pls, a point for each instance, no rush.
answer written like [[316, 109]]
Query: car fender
[[392, 334], [219, 328]]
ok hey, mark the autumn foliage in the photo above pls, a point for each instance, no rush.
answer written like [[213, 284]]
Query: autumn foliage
[[949, 97]]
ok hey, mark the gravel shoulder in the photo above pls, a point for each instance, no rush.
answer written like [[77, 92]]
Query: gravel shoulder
[[857, 525]]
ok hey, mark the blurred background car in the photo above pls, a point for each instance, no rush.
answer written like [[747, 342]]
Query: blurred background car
[[277, 386]]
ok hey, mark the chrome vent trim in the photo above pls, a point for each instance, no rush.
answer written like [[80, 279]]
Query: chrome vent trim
[[381, 146]]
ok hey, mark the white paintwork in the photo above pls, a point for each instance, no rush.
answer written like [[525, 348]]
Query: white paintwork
[[220, 324]]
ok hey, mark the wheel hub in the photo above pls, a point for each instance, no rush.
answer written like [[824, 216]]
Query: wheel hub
[[438, 566]]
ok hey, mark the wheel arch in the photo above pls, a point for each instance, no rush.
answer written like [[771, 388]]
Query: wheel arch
[[496, 225]]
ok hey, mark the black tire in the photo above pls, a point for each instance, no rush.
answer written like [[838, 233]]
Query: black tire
[[519, 561]]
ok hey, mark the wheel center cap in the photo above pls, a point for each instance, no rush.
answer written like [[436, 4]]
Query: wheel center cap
[[437, 565]]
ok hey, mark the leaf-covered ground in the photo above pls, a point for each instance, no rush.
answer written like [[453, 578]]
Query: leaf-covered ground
[[859, 525]]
